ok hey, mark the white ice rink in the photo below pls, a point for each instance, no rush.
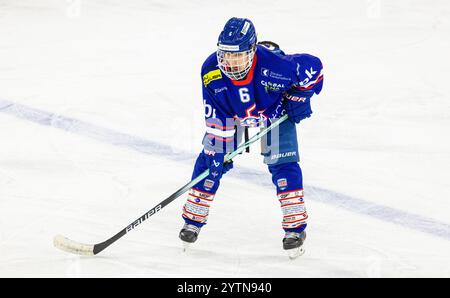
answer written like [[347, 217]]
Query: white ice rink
[[101, 118]]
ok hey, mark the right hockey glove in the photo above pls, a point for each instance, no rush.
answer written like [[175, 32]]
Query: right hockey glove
[[215, 162], [297, 104]]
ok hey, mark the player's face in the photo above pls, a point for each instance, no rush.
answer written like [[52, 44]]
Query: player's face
[[236, 61], [235, 64]]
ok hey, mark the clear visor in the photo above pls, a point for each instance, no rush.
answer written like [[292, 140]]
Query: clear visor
[[235, 65]]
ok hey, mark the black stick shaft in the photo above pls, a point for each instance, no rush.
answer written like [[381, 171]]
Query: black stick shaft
[[101, 246]]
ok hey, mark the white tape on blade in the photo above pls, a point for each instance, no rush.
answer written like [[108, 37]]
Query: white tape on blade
[[71, 246]]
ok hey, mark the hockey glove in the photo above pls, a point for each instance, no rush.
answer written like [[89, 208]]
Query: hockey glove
[[215, 163], [297, 104]]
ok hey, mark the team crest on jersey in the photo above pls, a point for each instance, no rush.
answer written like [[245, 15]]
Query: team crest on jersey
[[253, 121], [212, 76], [250, 121], [282, 183]]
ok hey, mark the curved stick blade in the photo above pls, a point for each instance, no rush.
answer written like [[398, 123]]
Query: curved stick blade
[[73, 247]]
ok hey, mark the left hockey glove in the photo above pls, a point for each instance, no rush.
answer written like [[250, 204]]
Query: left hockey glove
[[297, 104], [215, 162]]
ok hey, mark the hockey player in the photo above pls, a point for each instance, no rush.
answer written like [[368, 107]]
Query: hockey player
[[246, 83]]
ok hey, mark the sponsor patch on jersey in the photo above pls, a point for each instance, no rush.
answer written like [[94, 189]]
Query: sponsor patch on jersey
[[268, 73], [208, 184], [270, 86], [278, 76], [282, 183], [212, 76], [218, 90]]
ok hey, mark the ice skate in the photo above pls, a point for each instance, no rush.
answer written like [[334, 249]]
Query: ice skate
[[293, 244], [188, 235]]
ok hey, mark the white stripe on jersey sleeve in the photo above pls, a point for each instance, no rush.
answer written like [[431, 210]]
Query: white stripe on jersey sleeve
[[220, 133]]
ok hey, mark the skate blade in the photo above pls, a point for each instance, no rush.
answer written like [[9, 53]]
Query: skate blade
[[295, 253], [186, 246]]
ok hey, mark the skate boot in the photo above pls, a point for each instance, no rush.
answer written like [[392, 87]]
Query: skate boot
[[293, 244], [189, 234]]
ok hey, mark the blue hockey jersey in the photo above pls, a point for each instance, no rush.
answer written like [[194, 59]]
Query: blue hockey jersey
[[258, 97]]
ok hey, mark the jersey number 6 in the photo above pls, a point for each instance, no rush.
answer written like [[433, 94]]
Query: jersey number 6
[[243, 94]]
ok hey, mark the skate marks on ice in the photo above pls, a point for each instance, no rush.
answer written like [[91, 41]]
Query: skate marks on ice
[[112, 137]]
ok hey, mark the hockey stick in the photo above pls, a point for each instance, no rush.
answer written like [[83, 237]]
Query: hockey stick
[[74, 247]]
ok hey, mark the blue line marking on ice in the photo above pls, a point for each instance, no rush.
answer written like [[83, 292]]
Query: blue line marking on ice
[[384, 213], [95, 132], [109, 136]]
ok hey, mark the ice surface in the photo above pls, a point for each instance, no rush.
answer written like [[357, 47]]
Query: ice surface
[[102, 117]]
